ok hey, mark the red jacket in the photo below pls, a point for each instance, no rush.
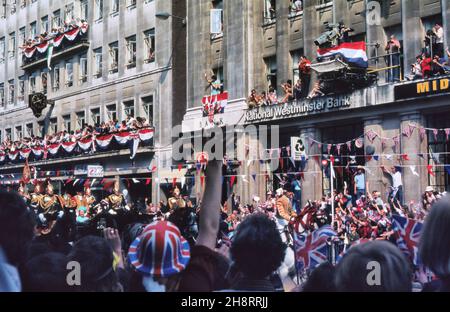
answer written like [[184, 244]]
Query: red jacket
[[426, 65]]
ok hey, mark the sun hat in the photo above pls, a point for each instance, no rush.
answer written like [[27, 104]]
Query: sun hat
[[160, 250], [429, 189]]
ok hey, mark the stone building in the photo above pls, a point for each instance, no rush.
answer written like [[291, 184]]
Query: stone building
[[254, 44], [129, 62]]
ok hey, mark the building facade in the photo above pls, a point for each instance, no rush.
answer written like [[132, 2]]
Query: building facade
[[400, 123], [123, 65]]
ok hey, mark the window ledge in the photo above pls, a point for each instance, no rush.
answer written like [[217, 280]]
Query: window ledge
[[114, 14], [325, 5], [131, 7], [99, 20]]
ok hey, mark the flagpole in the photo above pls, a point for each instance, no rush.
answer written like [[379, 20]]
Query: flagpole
[[332, 207]]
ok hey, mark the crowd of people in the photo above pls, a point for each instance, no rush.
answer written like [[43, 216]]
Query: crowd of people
[[53, 33], [86, 132], [207, 246]]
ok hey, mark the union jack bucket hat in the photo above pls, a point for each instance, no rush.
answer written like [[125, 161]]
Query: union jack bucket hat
[[160, 250]]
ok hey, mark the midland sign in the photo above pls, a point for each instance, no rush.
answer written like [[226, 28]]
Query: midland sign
[[422, 88], [297, 108]]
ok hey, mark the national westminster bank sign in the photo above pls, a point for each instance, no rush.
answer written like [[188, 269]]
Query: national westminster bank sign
[[297, 108]]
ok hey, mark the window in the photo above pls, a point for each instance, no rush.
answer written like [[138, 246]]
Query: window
[[44, 82], [2, 50], [114, 6], [216, 19], [56, 20], [81, 120], [8, 134], [269, 11], [67, 123], [98, 10], [83, 68], [22, 36], [18, 133], [13, 6], [271, 71], [84, 9], [68, 13], [2, 95], [128, 108], [111, 112], [11, 91], [33, 30], [296, 7], [21, 95], [44, 24], [53, 127], [114, 55], [32, 83], [56, 78], [98, 59], [29, 130], [69, 74], [131, 51], [147, 105], [95, 116], [295, 60], [149, 40], [41, 127], [131, 4], [3, 9], [12, 45]]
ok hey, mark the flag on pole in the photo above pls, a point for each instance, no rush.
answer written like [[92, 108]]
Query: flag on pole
[[312, 249], [50, 55]]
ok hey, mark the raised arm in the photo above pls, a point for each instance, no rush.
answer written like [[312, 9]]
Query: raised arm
[[210, 206]]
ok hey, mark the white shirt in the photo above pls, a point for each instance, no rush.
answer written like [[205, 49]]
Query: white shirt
[[439, 35], [397, 179]]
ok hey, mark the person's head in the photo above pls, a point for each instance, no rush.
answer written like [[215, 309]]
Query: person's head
[[320, 279], [159, 255], [392, 37], [97, 265], [289, 82], [257, 249], [437, 26], [434, 246], [46, 273], [17, 228], [302, 57], [377, 266], [214, 77]]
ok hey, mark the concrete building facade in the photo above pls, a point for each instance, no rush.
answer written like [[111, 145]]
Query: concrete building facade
[[125, 65], [260, 44]]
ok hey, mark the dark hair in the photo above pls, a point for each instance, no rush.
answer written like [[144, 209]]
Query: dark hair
[[352, 273], [17, 227], [434, 246], [320, 279], [45, 273], [257, 249], [95, 256]]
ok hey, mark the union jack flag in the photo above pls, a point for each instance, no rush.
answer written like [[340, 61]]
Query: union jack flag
[[312, 249], [407, 233]]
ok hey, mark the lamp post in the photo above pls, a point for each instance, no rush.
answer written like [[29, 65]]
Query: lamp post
[[166, 15]]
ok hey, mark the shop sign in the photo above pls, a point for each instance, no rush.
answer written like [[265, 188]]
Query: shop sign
[[422, 88], [298, 108]]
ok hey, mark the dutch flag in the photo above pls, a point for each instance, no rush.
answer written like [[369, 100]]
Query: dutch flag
[[352, 52]]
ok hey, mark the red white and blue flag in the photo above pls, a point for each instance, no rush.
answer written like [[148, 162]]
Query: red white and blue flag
[[312, 249], [407, 233], [352, 52]]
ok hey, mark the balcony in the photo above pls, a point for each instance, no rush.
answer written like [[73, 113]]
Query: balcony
[[64, 45]]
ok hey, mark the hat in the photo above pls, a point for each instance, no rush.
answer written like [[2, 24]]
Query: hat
[[160, 250], [280, 191], [429, 189]]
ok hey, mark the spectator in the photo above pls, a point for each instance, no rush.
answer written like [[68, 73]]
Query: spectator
[[288, 92], [16, 234], [273, 98], [98, 265], [434, 244], [321, 279], [46, 273], [253, 99], [425, 65], [353, 271], [298, 90], [257, 251], [438, 32], [397, 184], [214, 84], [304, 67], [416, 70], [440, 66], [316, 91], [393, 58], [360, 184]]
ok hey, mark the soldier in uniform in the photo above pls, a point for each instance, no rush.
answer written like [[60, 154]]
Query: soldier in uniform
[[50, 208], [116, 199], [69, 205], [176, 201], [89, 200], [284, 213], [24, 194], [36, 197]]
